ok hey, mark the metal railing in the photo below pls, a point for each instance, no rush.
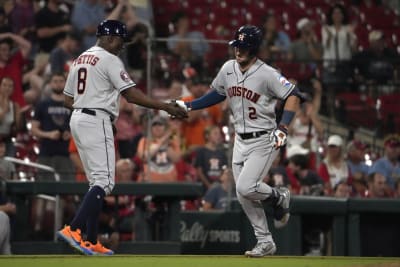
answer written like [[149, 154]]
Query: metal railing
[[55, 199]]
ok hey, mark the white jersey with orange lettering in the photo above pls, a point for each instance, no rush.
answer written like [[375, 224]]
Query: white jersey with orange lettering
[[252, 95], [96, 79]]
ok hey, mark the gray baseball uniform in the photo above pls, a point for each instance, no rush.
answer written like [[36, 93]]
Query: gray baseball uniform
[[95, 81], [252, 96]]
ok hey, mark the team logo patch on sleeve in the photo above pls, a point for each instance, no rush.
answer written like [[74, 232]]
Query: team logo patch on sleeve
[[124, 76], [284, 82]]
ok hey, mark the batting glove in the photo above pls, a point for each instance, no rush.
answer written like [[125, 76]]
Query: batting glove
[[181, 105], [280, 136]]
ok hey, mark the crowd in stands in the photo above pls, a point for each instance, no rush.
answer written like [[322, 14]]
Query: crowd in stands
[[331, 52]]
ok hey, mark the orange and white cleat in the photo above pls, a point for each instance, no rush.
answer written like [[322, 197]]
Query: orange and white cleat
[[72, 238], [95, 249]]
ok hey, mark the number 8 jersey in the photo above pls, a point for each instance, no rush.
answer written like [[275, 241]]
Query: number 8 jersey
[[96, 79]]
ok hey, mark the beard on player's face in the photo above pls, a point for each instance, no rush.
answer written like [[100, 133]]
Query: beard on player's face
[[243, 57]]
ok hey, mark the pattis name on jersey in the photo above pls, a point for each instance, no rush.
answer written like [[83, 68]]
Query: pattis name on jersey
[[243, 92], [86, 59]]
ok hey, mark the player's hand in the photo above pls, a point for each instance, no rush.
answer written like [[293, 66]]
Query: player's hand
[[177, 109], [280, 136]]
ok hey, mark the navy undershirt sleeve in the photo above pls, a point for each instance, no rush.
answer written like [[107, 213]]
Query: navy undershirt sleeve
[[207, 100]]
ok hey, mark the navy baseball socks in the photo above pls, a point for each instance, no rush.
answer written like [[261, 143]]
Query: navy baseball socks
[[88, 214]]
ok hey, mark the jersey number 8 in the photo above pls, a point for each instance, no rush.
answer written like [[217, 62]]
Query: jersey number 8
[[82, 74]]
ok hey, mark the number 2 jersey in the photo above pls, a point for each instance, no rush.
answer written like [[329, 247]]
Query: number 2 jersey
[[252, 95], [96, 79]]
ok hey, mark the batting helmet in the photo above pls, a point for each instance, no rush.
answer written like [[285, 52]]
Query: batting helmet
[[112, 27], [247, 37]]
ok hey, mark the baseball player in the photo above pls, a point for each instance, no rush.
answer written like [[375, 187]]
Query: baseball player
[[252, 88], [95, 82]]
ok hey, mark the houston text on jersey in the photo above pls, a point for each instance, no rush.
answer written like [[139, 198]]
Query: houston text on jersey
[[243, 92]]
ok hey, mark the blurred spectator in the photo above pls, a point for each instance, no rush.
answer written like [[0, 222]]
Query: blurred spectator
[[220, 194], [377, 187], [388, 165], [185, 166], [179, 84], [334, 168], [210, 158], [159, 153], [35, 79], [86, 15], [306, 48], [377, 63], [342, 190], [10, 115], [22, 18], [359, 187], [193, 127], [51, 126], [356, 160], [67, 49], [135, 53], [275, 43], [6, 209], [123, 204], [303, 181], [177, 89], [397, 189], [129, 128], [51, 23], [4, 22], [12, 63], [307, 129], [339, 42], [189, 46], [108, 234], [7, 168], [277, 175], [76, 161]]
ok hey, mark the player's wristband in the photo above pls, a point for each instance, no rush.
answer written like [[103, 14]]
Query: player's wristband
[[287, 117], [283, 128]]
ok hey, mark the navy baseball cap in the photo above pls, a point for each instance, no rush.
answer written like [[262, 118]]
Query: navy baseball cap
[[112, 28]]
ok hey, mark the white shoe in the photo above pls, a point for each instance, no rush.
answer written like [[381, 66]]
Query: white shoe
[[281, 211], [261, 249]]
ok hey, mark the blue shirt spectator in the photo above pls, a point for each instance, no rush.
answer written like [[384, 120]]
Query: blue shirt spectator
[[355, 160], [275, 42], [87, 14], [389, 165], [189, 46], [221, 193]]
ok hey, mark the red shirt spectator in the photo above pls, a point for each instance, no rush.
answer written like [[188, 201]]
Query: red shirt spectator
[[11, 65]]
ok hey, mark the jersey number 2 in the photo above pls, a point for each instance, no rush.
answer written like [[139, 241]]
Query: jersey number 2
[[252, 113], [82, 74]]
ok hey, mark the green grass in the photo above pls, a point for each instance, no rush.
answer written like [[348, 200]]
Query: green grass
[[192, 261]]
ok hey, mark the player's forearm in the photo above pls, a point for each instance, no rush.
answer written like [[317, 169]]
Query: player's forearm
[[137, 97], [207, 100]]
